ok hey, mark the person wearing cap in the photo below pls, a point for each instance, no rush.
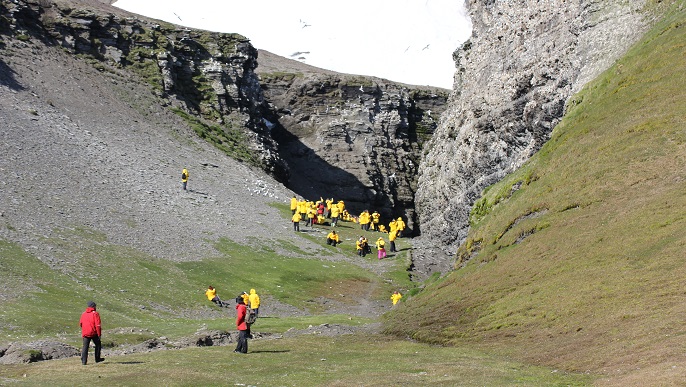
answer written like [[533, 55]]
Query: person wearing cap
[[91, 330], [241, 326]]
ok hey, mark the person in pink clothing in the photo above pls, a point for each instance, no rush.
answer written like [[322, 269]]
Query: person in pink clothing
[[91, 330], [381, 247]]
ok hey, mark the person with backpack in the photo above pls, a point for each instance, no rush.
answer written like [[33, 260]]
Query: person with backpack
[[242, 326], [184, 178], [91, 330]]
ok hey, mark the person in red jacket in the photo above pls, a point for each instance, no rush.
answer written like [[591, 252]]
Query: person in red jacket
[[90, 330], [242, 326]]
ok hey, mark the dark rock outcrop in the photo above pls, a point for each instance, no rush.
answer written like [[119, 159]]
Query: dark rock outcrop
[[207, 78], [348, 137], [514, 76]]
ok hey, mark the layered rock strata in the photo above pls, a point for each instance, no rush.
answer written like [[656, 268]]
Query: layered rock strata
[[514, 76], [357, 139]]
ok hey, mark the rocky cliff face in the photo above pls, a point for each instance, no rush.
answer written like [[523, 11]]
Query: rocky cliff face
[[206, 77], [353, 138], [514, 76]]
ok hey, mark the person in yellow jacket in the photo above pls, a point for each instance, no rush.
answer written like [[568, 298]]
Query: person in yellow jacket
[[184, 178], [395, 297], [391, 240], [327, 209], [294, 205], [254, 301], [364, 220], [361, 245], [311, 213], [393, 226], [246, 298], [296, 221], [382, 228], [381, 247], [332, 239], [341, 206], [401, 227], [211, 294], [334, 216], [375, 220], [302, 208]]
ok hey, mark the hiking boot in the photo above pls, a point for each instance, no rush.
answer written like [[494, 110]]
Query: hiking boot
[[102, 359]]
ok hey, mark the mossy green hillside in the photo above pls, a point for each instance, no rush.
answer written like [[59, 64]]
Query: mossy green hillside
[[577, 259]]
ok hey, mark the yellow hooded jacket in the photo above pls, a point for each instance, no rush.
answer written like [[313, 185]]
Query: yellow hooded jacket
[[254, 299]]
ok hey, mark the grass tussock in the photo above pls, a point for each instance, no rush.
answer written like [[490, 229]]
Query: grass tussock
[[594, 282]]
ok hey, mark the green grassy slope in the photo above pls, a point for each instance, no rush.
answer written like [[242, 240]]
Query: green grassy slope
[[578, 259], [162, 296]]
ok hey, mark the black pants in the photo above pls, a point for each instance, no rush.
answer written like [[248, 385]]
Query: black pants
[[393, 246], [86, 344], [242, 342], [296, 226], [331, 242]]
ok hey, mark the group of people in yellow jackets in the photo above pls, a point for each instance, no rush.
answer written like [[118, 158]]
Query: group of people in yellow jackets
[[316, 212]]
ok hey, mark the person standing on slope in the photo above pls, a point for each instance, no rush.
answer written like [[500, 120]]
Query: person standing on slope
[[241, 326], [254, 301], [184, 178], [381, 247], [294, 205], [391, 240], [91, 330], [296, 221]]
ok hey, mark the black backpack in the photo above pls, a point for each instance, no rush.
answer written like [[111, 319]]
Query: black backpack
[[183, 176]]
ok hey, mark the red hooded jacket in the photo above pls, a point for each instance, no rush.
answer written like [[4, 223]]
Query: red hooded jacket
[[90, 323], [241, 311]]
